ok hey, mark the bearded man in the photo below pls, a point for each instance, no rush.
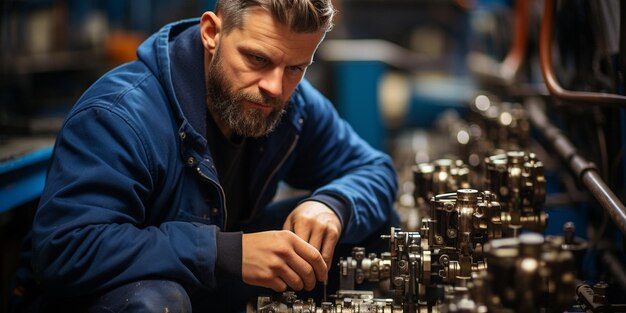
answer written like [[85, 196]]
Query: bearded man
[[160, 192]]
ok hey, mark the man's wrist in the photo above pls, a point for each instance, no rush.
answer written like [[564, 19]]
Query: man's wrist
[[229, 254], [336, 203]]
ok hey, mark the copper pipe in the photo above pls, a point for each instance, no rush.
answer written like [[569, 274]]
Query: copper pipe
[[515, 57], [547, 68], [504, 72]]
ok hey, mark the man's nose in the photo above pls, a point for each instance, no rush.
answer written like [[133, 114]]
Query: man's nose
[[272, 82]]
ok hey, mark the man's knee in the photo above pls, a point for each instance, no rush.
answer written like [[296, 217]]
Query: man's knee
[[145, 296]]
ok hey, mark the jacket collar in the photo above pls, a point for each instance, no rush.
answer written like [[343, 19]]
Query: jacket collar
[[174, 54], [187, 59]]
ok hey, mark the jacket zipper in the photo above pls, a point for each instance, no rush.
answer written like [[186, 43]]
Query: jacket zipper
[[222, 193], [293, 146]]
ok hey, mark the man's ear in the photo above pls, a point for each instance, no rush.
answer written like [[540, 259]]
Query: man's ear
[[210, 26]]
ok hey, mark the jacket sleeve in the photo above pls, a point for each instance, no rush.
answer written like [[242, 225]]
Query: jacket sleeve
[[90, 231], [357, 181]]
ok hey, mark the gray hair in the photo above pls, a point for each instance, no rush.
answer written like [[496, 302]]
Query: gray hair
[[300, 16]]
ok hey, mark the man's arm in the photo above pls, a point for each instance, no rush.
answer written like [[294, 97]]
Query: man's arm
[[90, 231], [346, 174]]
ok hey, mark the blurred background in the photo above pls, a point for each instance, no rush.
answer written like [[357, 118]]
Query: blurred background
[[424, 80]]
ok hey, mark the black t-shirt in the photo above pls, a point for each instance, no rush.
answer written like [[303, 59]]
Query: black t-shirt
[[231, 161]]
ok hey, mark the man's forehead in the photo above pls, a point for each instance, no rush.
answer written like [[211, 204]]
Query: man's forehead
[[260, 28]]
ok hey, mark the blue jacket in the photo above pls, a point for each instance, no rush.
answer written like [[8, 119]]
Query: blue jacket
[[132, 191]]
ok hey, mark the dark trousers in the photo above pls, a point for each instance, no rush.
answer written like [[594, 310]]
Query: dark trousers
[[141, 296]]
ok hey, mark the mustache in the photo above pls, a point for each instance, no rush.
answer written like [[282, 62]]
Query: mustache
[[259, 98]]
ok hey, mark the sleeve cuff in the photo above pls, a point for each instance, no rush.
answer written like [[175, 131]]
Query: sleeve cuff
[[228, 263], [336, 203]]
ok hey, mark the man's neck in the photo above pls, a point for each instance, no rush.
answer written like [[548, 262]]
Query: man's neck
[[226, 131]]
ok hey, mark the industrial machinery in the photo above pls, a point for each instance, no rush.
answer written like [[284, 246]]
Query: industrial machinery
[[513, 217], [461, 260], [517, 179], [529, 273], [522, 211], [510, 200]]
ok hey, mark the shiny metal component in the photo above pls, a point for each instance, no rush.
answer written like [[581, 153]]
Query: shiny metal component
[[447, 250], [288, 303], [352, 301], [492, 125], [464, 219], [528, 274], [459, 299], [593, 299], [359, 268], [347, 273], [405, 253], [462, 223], [505, 124], [402, 265], [430, 179], [517, 179], [569, 242], [441, 176]]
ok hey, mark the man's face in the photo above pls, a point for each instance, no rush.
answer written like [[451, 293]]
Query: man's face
[[254, 71]]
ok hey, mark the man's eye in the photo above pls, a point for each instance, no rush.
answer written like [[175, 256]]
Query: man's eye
[[295, 69], [258, 60]]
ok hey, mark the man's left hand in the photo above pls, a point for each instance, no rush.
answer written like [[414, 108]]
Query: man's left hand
[[316, 224]]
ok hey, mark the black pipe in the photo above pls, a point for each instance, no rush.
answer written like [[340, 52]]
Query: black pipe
[[585, 170], [615, 267]]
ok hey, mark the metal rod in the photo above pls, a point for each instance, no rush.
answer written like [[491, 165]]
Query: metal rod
[[585, 170], [606, 197]]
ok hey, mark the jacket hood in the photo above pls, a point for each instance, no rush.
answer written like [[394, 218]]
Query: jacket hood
[[175, 56]]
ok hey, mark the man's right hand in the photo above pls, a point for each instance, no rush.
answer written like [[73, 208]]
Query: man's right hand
[[277, 259]]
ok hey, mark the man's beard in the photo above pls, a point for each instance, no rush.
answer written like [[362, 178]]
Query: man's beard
[[228, 106]]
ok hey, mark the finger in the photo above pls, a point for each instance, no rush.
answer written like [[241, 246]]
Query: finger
[[304, 270], [290, 277], [303, 231], [328, 247], [316, 237], [278, 285], [311, 256], [288, 224]]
